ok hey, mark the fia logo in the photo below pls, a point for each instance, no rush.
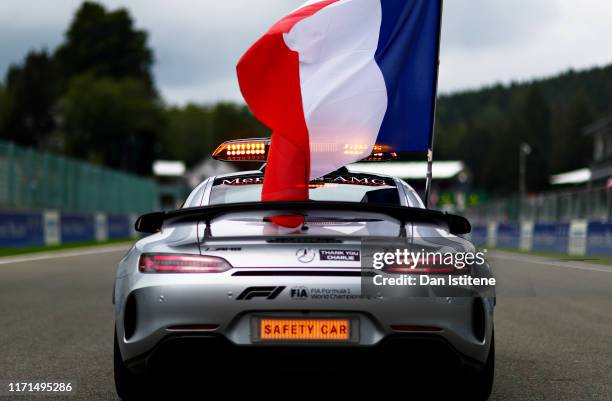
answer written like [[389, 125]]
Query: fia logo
[[299, 293]]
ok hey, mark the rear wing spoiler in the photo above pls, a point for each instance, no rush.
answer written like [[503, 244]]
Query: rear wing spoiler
[[153, 222]]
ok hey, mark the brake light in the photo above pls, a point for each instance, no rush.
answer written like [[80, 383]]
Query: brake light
[[156, 263], [430, 265]]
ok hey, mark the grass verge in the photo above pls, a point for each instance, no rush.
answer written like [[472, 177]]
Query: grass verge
[[76, 245]]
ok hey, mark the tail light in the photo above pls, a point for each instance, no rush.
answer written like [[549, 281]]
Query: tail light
[[429, 265], [159, 263]]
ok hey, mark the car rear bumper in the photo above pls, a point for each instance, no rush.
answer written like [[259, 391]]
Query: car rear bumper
[[210, 353], [159, 309]]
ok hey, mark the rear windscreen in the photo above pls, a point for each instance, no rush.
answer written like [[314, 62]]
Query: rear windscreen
[[346, 188]]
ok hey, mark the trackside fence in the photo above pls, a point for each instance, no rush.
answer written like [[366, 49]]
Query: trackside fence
[[576, 222], [549, 207], [33, 180]]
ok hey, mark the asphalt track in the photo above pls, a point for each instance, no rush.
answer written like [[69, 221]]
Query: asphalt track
[[553, 326]]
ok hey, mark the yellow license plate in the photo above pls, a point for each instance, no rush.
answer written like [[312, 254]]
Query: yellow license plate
[[304, 329]]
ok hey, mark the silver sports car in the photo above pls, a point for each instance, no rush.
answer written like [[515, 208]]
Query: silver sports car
[[226, 279]]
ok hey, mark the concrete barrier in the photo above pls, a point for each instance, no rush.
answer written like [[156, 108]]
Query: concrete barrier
[[578, 237], [52, 229], [526, 236]]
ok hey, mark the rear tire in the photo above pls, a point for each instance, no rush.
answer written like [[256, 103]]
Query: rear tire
[[128, 385], [478, 387]]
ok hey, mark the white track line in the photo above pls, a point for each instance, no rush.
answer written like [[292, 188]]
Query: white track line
[[539, 260], [63, 254]]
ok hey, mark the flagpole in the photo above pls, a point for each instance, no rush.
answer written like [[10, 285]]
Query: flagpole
[[429, 176]]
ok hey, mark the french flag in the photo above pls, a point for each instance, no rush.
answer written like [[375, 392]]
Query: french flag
[[335, 77]]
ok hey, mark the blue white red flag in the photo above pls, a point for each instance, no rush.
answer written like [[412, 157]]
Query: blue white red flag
[[335, 77]]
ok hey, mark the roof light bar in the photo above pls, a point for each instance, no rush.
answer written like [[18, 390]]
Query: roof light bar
[[381, 153], [243, 150], [256, 149]]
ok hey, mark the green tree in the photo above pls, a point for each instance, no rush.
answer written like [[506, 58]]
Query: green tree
[[187, 134], [231, 121], [485, 127], [105, 44], [534, 127], [113, 122], [193, 132], [111, 113], [94, 96], [27, 104], [3, 109], [570, 149]]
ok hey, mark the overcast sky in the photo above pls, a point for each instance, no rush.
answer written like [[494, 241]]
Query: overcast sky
[[197, 42]]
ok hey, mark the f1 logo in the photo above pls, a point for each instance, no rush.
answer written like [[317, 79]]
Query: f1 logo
[[260, 292]]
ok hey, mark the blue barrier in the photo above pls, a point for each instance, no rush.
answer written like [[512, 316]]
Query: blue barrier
[[21, 229], [18, 229], [508, 236], [77, 227], [118, 226], [551, 237], [599, 239], [479, 235], [577, 238]]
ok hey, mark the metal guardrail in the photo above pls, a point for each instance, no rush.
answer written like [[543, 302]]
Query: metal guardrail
[[30, 179], [560, 206]]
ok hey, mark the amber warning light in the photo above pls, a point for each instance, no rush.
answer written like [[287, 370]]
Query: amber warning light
[[243, 150], [254, 150]]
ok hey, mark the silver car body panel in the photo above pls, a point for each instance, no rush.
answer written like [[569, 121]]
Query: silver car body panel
[[166, 300]]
